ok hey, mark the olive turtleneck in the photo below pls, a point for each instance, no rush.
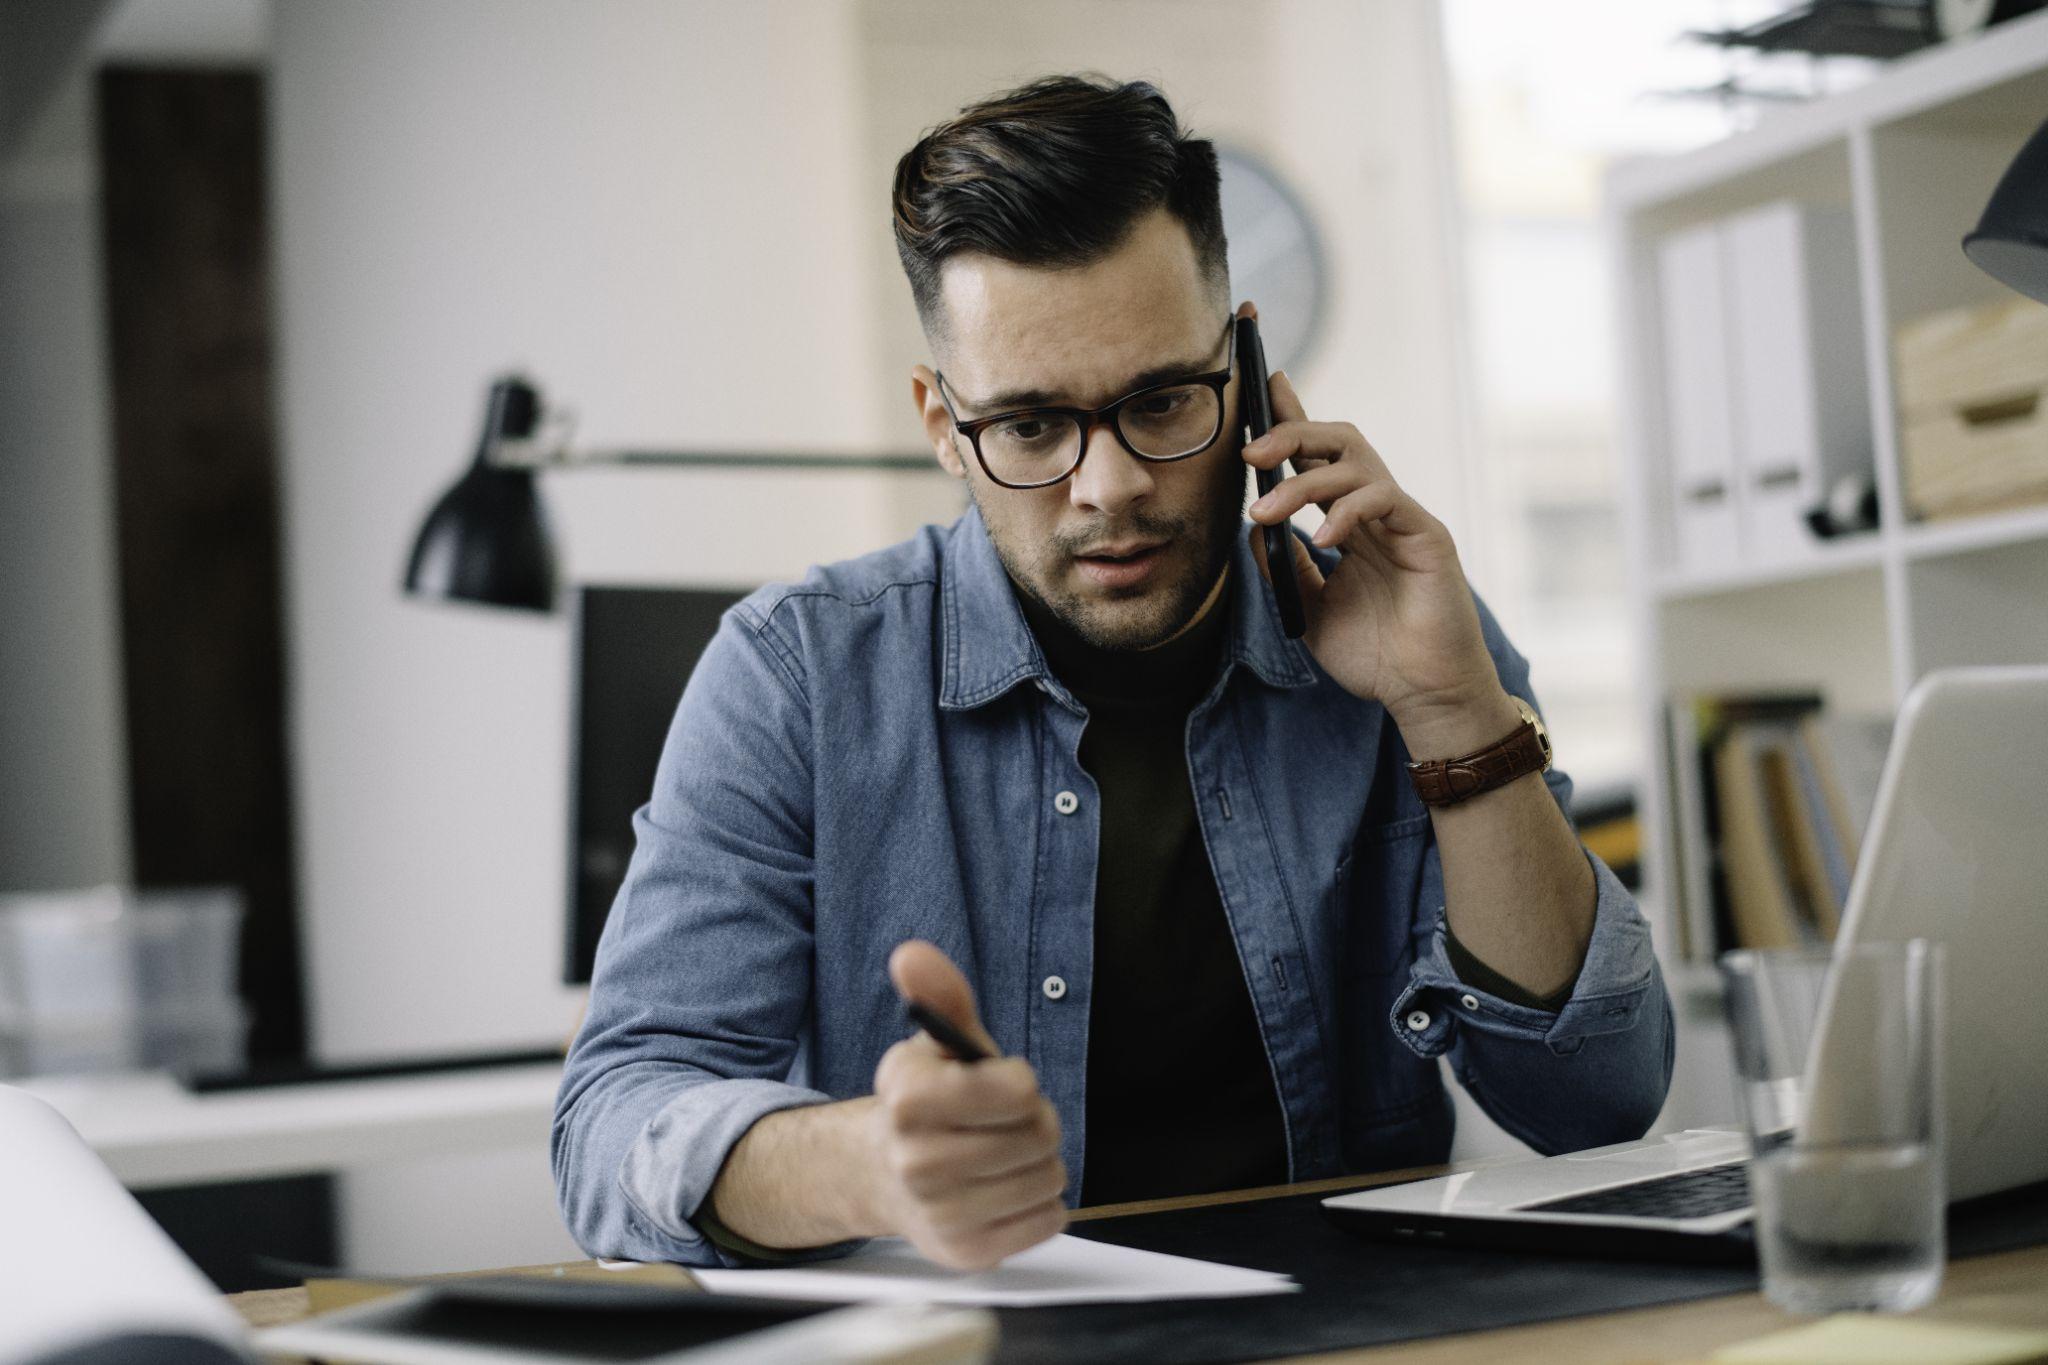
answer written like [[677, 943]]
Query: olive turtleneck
[[1180, 1096]]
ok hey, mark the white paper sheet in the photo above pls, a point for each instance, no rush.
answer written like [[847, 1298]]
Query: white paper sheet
[[1063, 1270], [79, 1259]]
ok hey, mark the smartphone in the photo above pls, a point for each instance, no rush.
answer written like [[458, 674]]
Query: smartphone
[[1256, 401]]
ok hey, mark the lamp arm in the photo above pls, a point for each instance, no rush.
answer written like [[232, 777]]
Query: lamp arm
[[521, 432], [546, 448]]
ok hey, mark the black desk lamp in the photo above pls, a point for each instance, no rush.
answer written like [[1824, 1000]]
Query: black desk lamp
[[487, 539], [2011, 241]]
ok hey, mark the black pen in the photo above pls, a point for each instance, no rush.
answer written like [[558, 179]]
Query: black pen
[[949, 1037]]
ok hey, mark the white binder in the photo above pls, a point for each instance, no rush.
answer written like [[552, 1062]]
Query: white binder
[[1698, 409], [1802, 404], [1767, 397]]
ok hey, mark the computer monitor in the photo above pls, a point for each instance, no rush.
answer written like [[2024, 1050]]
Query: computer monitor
[[635, 648]]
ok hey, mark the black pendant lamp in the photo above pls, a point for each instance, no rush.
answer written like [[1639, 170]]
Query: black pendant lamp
[[2011, 241], [487, 538]]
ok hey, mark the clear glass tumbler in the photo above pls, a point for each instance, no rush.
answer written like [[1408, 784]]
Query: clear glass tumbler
[[1838, 1058]]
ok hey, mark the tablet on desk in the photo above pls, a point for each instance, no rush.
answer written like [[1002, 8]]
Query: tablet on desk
[[425, 1326]]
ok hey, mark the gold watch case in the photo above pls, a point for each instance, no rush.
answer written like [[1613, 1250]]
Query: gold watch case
[[1542, 730]]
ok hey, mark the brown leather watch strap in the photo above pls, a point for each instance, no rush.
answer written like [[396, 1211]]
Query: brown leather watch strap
[[1447, 781]]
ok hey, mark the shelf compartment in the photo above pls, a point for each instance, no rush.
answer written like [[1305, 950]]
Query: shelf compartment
[[1829, 632], [1934, 173], [1981, 603]]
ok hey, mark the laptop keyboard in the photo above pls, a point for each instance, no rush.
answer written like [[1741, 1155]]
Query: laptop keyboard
[[1689, 1194]]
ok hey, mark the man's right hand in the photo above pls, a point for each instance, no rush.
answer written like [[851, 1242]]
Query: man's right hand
[[966, 1154]]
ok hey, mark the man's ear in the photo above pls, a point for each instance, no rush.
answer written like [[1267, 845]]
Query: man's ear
[[938, 423]]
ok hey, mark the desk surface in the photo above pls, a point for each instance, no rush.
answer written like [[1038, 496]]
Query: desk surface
[[2005, 1290]]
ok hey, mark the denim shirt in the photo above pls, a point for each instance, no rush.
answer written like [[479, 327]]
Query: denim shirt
[[880, 753]]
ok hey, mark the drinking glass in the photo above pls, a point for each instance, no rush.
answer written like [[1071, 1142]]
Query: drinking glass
[[1837, 1056]]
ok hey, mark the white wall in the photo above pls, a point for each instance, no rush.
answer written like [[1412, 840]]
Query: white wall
[[642, 203], [1342, 97], [63, 758], [676, 216]]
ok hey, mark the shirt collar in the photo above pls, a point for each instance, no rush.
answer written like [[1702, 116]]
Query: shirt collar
[[989, 648]]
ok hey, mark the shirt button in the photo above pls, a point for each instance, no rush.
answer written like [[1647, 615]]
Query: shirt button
[[1418, 1020], [1066, 803], [1470, 1002], [1055, 987]]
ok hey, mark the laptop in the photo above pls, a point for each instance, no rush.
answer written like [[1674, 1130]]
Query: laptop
[[1955, 853]]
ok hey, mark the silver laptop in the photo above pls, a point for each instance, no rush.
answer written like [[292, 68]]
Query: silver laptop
[[1957, 852]]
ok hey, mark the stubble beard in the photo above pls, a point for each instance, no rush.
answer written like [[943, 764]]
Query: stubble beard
[[1149, 616]]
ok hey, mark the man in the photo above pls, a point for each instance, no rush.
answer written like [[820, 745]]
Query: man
[[1055, 772]]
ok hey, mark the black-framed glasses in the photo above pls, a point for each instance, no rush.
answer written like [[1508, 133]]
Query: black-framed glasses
[[1038, 447]]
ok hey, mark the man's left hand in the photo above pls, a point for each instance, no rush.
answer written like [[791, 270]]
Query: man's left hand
[[1394, 621]]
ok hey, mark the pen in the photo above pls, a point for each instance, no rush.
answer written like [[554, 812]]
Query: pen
[[950, 1038]]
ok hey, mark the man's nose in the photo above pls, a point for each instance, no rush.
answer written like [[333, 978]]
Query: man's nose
[[1110, 478]]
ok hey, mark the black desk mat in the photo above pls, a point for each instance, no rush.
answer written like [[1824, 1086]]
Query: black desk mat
[[1359, 1293]]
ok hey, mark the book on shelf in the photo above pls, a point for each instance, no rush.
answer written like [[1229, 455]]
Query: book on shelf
[[1772, 794]]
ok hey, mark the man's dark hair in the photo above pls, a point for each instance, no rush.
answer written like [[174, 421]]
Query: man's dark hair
[[1054, 173]]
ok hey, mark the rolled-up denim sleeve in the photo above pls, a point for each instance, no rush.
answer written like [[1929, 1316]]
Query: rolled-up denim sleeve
[[1593, 1071], [703, 973]]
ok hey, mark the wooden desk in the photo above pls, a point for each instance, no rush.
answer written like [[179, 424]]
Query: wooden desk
[[2009, 1289]]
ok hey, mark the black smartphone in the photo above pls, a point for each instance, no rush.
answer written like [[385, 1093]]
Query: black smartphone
[[1256, 400]]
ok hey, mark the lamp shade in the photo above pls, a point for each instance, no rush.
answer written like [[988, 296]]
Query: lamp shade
[[486, 540], [2011, 241]]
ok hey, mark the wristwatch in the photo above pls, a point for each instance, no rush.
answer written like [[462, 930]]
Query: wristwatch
[[1447, 781]]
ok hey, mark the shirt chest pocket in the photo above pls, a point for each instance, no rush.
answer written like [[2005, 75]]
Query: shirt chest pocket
[[1374, 893]]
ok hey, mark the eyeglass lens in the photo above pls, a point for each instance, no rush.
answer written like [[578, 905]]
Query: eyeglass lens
[[1032, 447]]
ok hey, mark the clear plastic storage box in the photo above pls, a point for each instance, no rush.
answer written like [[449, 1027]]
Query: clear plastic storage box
[[112, 980]]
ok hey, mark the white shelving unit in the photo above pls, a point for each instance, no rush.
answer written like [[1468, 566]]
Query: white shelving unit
[[1913, 157]]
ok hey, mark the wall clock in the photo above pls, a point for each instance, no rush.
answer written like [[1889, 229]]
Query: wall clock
[[1276, 257]]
